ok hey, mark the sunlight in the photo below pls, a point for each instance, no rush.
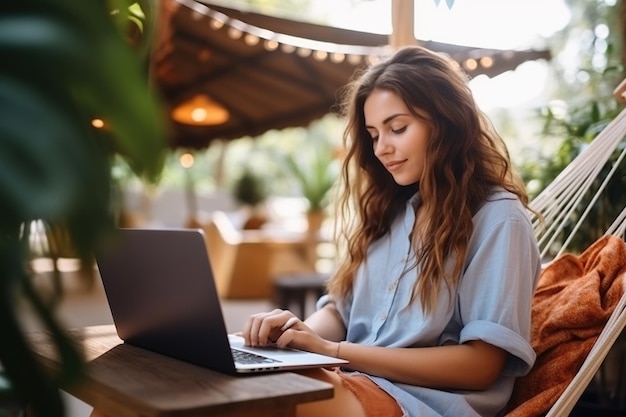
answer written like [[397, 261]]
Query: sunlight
[[523, 87], [498, 24], [502, 24]]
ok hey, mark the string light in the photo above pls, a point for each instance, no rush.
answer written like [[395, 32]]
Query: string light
[[234, 33], [252, 35], [271, 45], [216, 24], [354, 59], [286, 48], [373, 59], [337, 57], [470, 64], [186, 160], [320, 55], [486, 62], [353, 54], [251, 39], [303, 52]]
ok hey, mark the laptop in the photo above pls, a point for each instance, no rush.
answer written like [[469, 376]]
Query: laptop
[[161, 291]]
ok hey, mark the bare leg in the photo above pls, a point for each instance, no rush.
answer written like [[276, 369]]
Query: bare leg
[[343, 403]]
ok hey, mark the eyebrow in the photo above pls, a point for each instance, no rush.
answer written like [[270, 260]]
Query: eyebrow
[[387, 119]]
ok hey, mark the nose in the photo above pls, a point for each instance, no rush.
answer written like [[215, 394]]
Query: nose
[[381, 146]]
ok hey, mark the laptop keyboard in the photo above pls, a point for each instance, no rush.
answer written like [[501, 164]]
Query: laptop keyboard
[[250, 358]]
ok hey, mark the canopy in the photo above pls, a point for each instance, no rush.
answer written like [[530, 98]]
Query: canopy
[[226, 73]]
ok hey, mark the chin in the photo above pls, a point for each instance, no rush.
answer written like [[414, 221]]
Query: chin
[[405, 181]]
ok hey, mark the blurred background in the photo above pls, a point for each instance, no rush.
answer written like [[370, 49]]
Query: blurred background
[[546, 109]]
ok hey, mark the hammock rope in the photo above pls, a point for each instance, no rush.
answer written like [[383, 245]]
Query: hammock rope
[[557, 204]]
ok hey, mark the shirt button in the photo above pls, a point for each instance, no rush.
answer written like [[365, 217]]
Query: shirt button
[[393, 286], [383, 316]]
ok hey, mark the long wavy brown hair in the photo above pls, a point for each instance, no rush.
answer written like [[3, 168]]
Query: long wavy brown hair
[[465, 160]]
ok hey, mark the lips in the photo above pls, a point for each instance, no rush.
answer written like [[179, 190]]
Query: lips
[[394, 165]]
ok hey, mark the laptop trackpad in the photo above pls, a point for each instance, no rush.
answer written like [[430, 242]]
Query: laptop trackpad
[[237, 342]]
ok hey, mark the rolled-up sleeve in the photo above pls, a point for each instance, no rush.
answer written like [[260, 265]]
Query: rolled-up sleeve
[[496, 290]]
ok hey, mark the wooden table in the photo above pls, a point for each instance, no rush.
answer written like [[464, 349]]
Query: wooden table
[[126, 381]]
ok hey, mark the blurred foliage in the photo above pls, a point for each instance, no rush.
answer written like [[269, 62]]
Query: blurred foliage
[[292, 162], [266, 154], [250, 189], [583, 106], [64, 64], [313, 168]]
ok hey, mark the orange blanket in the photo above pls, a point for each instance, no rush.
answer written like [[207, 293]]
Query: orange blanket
[[575, 297]]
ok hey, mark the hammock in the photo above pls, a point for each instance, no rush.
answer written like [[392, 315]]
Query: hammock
[[559, 200], [557, 203]]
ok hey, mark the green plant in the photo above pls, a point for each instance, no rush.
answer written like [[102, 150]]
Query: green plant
[[65, 63], [249, 189], [314, 168], [583, 106], [579, 127], [576, 128]]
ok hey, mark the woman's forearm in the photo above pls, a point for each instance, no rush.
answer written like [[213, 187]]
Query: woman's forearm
[[474, 365]]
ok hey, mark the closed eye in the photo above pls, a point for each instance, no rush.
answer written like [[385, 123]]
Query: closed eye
[[372, 137], [400, 130]]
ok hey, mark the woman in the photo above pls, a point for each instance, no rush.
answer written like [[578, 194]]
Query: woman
[[431, 301]]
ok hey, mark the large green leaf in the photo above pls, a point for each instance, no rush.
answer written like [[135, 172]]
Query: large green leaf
[[64, 62]]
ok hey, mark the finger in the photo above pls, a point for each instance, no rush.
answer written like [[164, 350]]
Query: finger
[[261, 326], [290, 323], [255, 324], [251, 329], [298, 336], [271, 326], [286, 339], [245, 332]]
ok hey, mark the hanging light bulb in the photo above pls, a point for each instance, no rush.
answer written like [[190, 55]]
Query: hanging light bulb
[[200, 110]]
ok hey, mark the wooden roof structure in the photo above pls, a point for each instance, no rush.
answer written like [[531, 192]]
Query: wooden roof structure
[[225, 73]]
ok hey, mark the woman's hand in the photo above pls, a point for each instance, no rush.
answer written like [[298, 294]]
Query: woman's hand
[[284, 329]]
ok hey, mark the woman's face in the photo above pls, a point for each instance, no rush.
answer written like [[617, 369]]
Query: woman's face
[[399, 139]]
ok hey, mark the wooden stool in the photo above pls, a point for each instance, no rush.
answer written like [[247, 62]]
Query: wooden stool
[[290, 289]]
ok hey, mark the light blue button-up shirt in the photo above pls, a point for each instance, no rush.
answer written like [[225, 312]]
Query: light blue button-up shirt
[[491, 303]]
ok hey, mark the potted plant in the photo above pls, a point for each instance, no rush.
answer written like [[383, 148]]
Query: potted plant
[[249, 190], [314, 170], [66, 64]]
